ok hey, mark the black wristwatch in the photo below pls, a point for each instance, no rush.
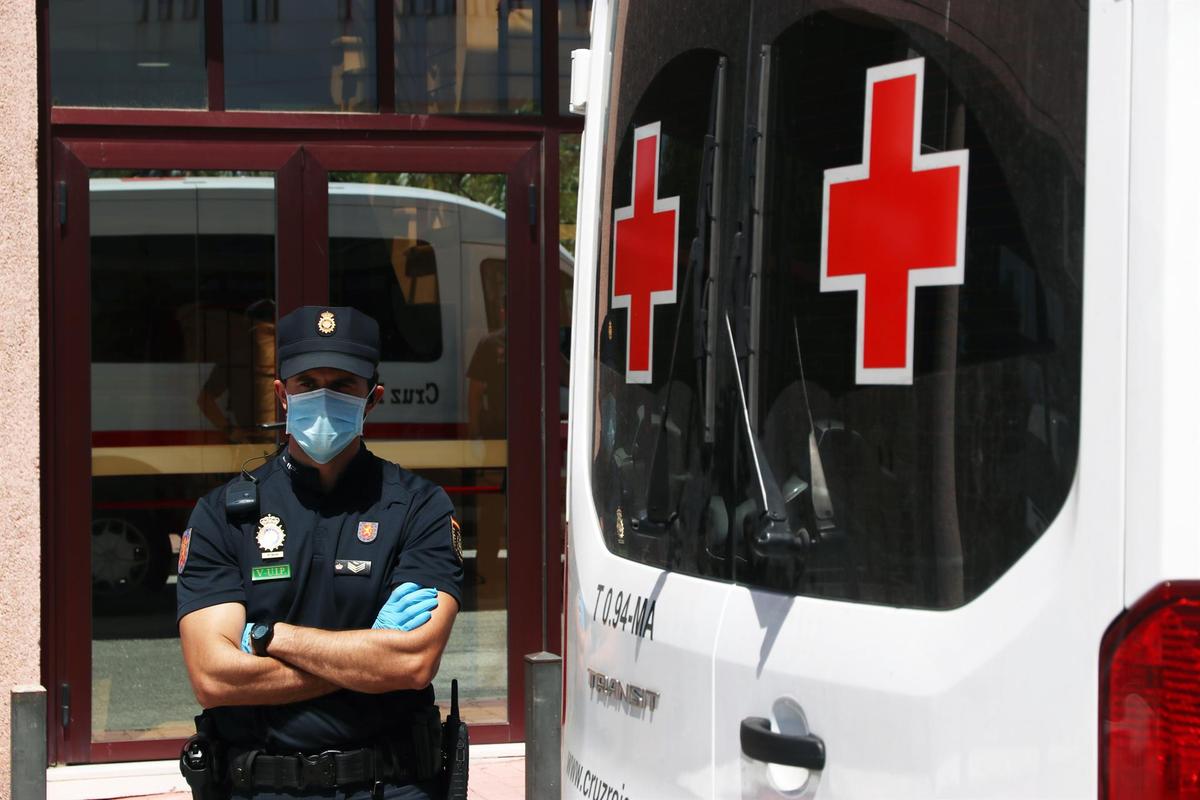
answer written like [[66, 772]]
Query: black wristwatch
[[260, 637]]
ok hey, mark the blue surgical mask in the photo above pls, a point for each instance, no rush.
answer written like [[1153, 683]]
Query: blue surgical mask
[[324, 422]]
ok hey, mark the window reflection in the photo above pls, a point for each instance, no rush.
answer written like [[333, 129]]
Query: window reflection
[[931, 491], [182, 332], [133, 53], [569, 145], [467, 56], [183, 279], [300, 56], [574, 32], [647, 448], [425, 254]]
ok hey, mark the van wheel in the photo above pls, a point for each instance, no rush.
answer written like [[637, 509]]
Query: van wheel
[[126, 563]]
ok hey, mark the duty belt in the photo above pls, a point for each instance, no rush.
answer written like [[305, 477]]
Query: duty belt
[[415, 757], [331, 769]]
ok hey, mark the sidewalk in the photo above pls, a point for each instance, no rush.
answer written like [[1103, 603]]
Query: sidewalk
[[494, 776], [491, 779]]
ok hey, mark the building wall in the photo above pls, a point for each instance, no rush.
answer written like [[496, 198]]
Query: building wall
[[20, 516]]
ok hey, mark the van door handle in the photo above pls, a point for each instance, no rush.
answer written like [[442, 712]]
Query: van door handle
[[761, 743]]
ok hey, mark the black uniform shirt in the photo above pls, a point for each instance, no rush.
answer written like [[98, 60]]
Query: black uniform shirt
[[342, 554]]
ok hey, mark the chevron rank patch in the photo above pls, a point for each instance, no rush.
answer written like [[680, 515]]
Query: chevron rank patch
[[351, 566]]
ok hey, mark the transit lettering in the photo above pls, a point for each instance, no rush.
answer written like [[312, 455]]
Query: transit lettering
[[633, 696]]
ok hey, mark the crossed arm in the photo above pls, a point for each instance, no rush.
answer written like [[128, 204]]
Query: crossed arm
[[303, 663]]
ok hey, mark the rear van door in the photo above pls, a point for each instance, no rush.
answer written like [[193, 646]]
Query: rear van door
[[934, 371]]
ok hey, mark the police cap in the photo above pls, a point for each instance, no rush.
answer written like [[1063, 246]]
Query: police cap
[[327, 336]]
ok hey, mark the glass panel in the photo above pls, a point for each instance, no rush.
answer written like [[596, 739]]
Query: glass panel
[[568, 187], [183, 330], [677, 91], [568, 196], [425, 255], [569, 145], [300, 56], [133, 53], [940, 485], [574, 32], [648, 444], [468, 56]]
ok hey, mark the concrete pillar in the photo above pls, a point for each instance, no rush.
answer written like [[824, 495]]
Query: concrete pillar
[[543, 726], [28, 737]]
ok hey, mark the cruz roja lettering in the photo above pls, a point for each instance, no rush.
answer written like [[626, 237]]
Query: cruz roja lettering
[[624, 611], [591, 785], [426, 395], [635, 696]]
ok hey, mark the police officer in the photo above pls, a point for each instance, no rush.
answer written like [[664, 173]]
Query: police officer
[[313, 625]]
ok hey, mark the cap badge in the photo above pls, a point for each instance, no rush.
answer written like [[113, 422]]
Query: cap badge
[[270, 536], [326, 323], [456, 538], [367, 531]]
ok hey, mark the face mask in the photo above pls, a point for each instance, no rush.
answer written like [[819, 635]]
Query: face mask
[[324, 422]]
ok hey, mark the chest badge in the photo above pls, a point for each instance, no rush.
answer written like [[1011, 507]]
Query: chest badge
[[367, 531], [270, 536]]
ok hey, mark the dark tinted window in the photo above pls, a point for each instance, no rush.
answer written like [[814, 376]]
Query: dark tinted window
[[396, 282], [937, 485], [299, 56], [455, 57], [134, 53], [176, 298], [649, 441]]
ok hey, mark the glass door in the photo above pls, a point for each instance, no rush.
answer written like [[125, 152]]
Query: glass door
[[165, 294], [170, 268], [430, 266], [431, 255], [182, 372]]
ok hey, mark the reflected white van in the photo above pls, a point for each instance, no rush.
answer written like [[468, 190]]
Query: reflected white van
[[184, 297]]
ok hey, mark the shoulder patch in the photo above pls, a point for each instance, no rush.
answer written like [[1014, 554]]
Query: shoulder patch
[[185, 544], [456, 538]]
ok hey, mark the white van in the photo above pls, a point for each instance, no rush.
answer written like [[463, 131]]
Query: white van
[[183, 282], [881, 456]]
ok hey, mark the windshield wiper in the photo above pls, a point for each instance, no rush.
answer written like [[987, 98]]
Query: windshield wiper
[[822, 501], [772, 535], [660, 510]]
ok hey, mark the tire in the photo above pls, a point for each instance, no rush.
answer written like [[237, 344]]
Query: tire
[[128, 564]]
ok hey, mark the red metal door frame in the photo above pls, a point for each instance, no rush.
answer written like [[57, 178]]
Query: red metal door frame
[[301, 277]]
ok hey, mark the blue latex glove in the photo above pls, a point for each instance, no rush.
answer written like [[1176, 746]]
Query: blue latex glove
[[246, 638], [408, 608]]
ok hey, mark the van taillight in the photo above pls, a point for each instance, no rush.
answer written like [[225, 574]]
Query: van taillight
[[1150, 698]]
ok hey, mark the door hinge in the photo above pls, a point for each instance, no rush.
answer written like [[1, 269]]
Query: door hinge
[[64, 697], [533, 206], [61, 200]]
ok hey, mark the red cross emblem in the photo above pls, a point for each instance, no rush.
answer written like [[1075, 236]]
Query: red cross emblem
[[645, 252], [892, 223]]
